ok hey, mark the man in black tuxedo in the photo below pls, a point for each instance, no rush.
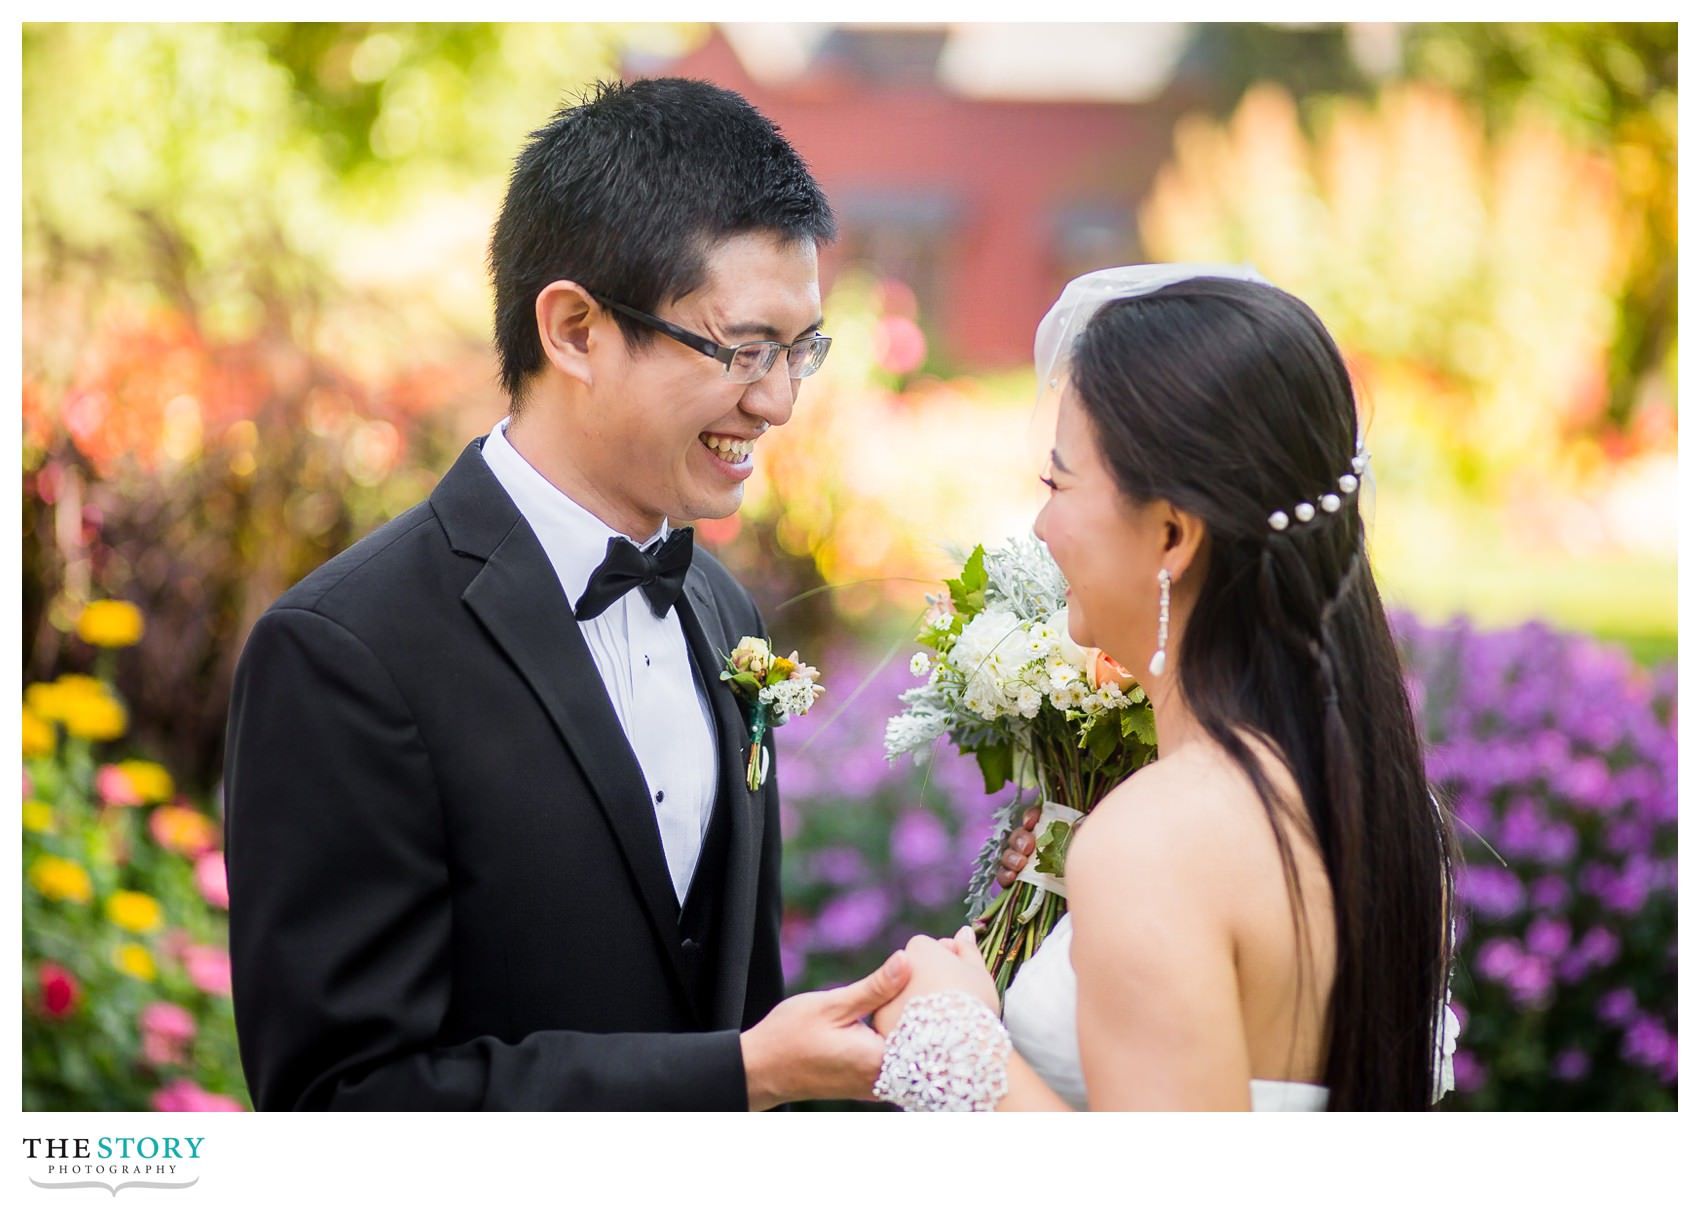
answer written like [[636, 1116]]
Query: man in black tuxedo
[[488, 835]]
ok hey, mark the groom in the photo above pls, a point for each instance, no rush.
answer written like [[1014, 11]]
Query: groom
[[489, 840]]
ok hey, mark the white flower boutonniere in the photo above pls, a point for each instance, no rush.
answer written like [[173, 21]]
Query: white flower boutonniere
[[774, 689]]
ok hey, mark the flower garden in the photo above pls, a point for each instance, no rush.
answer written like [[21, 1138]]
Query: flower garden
[[211, 410], [126, 972]]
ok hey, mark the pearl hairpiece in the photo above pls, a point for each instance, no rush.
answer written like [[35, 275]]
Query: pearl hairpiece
[[1330, 502]]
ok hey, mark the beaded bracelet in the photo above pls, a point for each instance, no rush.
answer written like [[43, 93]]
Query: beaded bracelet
[[950, 1053]]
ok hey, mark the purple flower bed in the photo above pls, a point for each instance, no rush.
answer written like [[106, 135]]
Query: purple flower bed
[[1555, 751], [1558, 756], [874, 852]]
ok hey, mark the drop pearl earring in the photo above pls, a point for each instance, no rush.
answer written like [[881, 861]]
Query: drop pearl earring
[[1160, 659]]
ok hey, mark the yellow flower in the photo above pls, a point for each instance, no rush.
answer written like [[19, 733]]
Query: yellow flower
[[133, 911], [44, 699], [60, 879], [111, 624], [39, 736], [150, 781], [99, 718], [38, 817], [134, 959]]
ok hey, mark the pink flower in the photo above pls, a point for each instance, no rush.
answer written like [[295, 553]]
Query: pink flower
[[210, 879], [184, 1096], [175, 944], [167, 1030], [114, 787], [899, 345], [59, 990], [209, 968]]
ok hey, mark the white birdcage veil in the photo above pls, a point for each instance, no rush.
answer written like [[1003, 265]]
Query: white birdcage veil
[[1081, 299]]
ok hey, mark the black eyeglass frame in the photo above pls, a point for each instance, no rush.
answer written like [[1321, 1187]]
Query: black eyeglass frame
[[725, 354]]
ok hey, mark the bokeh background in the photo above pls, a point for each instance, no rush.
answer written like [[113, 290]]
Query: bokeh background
[[255, 325]]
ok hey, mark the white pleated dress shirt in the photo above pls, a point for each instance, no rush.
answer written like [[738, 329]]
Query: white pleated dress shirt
[[644, 662]]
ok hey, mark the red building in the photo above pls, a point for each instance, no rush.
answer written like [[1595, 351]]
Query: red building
[[984, 203]]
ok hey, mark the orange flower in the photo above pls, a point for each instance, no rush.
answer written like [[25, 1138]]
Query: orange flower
[[1106, 670], [183, 830]]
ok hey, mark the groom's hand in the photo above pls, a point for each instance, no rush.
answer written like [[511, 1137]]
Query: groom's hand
[[815, 1045], [1017, 847]]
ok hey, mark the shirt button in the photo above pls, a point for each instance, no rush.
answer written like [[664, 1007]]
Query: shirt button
[[660, 796], [646, 659]]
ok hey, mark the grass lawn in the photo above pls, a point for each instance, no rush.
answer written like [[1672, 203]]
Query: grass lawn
[[1457, 564]]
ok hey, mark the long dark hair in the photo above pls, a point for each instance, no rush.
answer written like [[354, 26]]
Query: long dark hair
[[1229, 400]]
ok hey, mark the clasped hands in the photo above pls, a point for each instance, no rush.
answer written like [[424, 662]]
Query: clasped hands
[[939, 965], [818, 1046]]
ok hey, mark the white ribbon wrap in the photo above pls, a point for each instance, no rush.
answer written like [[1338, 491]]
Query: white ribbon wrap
[[1051, 811]]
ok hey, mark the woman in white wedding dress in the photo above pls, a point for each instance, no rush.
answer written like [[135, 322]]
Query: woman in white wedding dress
[[1257, 918]]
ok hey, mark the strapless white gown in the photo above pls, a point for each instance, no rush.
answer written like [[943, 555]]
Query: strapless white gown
[[1039, 1011]]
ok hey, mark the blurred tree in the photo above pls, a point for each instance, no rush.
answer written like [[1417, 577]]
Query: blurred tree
[[1607, 86], [1611, 86], [1229, 57], [237, 356], [1473, 279]]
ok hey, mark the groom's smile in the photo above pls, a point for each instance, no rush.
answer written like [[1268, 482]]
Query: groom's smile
[[733, 451]]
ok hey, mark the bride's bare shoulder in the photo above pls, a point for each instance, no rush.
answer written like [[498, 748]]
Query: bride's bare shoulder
[[1195, 814]]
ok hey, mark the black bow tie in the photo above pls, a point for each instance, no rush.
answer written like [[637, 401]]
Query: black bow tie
[[659, 570]]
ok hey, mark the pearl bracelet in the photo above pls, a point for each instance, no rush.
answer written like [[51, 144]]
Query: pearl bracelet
[[950, 1053]]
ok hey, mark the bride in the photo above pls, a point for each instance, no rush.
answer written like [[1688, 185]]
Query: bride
[[1257, 918]]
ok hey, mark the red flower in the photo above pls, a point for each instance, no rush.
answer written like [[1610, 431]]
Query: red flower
[[59, 990]]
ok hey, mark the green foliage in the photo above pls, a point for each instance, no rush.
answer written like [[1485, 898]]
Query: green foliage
[[997, 763], [968, 592], [230, 370], [1608, 84], [1050, 848]]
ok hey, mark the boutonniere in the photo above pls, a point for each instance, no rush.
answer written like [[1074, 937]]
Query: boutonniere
[[774, 688]]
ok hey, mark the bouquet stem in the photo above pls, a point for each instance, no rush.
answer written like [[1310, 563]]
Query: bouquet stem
[[1013, 927]]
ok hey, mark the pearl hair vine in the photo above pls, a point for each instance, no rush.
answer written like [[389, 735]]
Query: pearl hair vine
[[1330, 502]]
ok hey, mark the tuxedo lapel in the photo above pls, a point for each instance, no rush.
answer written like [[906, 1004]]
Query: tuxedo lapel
[[709, 646], [519, 601]]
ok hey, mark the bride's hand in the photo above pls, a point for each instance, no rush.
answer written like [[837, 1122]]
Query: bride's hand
[[936, 966]]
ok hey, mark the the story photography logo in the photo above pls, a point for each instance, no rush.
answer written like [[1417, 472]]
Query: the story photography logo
[[114, 1162]]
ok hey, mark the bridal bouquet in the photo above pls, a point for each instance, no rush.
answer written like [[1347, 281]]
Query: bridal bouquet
[[1006, 684]]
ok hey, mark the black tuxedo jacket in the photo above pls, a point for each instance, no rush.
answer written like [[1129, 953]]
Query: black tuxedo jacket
[[447, 887]]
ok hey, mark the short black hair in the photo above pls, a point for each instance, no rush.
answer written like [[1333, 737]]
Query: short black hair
[[625, 192]]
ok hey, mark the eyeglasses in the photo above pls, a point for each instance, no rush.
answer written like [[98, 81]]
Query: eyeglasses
[[744, 363]]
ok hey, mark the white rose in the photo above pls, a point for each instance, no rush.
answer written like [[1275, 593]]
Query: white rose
[[752, 656]]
